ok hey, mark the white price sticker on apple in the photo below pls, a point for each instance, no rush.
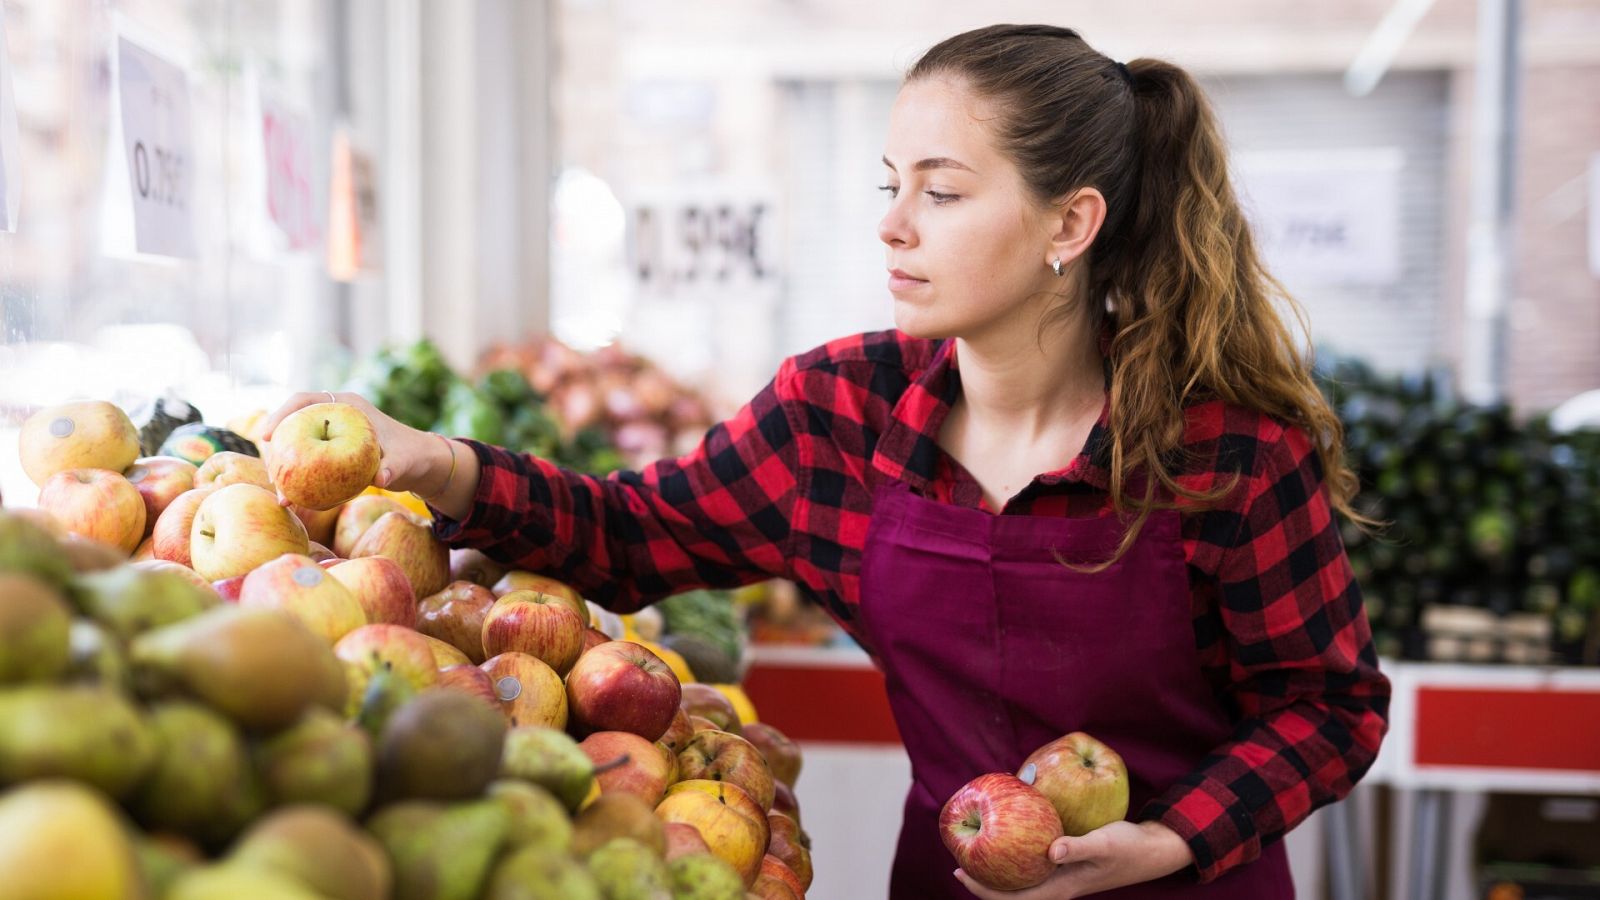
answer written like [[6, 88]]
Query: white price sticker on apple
[[158, 138]]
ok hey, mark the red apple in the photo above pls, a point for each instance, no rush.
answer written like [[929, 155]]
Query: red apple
[[592, 638], [446, 654], [679, 732], [773, 867], [784, 801], [684, 839], [621, 686], [229, 588], [160, 480], [731, 823], [1000, 831], [319, 523], [409, 541], [145, 551], [645, 774], [701, 723], [787, 847], [1084, 780], [530, 692], [324, 454], [708, 703], [720, 756], [393, 647], [518, 580], [170, 536], [381, 588], [471, 564], [356, 517], [229, 467], [470, 679], [782, 755], [240, 527], [455, 615], [300, 587], [531, 622], [98, 504]]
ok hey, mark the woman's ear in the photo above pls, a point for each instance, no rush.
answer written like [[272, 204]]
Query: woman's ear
[[1076, 220]]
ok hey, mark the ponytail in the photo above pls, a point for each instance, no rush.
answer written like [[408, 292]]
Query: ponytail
[[1192, 309]]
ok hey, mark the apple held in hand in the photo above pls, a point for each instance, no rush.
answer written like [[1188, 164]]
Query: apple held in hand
[[298, 586], [1000, 830], [537, 624], [621, 686], [380, 585], [240, 527], [160, 480], [323, 455], [1085, 780], [98, 504]]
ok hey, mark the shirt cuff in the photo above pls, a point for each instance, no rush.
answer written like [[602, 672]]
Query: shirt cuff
[[1213, 821]]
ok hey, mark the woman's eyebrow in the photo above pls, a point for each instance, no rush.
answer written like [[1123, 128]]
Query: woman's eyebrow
[[937, 162]]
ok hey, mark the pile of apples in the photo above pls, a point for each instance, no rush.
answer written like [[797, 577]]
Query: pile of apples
[[248, 711], [1000, 826]]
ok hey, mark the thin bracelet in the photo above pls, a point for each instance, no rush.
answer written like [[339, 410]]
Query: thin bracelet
[[450, 445]]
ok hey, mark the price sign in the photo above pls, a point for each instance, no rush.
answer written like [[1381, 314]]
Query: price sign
[[158, 139], [290, 202], [694, 245]]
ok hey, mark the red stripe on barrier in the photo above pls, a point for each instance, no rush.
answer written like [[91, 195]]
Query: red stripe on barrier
[[846, 705], [1533, 729]]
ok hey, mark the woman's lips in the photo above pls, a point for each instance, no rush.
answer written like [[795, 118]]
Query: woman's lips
[[900, 281]]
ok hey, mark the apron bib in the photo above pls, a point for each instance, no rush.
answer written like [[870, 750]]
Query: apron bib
[[991, 648]]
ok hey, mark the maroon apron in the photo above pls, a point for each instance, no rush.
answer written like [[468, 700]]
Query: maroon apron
[[991, 648]]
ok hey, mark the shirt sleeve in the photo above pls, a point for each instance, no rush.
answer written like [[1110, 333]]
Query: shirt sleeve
[[716, 517], [1302, 669]]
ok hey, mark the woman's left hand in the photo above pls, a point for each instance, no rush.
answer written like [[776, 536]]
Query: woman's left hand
[[1113, 856]]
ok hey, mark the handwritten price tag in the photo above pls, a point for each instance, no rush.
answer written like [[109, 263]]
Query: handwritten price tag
[[159, 140]]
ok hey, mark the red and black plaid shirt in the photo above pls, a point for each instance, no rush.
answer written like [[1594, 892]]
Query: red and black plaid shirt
[[784, 489]]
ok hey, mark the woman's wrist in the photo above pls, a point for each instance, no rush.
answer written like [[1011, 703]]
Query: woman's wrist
[[452, 477], [1168, 846]]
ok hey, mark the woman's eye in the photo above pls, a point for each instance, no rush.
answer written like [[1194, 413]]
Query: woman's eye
[[941, 199], [893, 190]]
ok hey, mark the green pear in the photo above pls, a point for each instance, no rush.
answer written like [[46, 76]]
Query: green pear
[[701, 876], [628, 870], [534, 874], [551, 759], [130, 601], [320, 848], [162, 863], [35, 628], [95, 656], [89, 733], [202, 784], [238, 882], [260, 667], [320, 759], [29, 548], [441, 745], [441, 852], [385, 693], [537, 818]]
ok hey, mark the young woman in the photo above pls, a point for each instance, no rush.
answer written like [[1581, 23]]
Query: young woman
[[1086, 484]]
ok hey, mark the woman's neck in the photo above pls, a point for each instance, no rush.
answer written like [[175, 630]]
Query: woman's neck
[[1027, 385]]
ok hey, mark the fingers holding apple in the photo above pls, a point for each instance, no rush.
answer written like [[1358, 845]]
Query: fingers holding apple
[[406, 456], [1084, 779], [1000, 830]]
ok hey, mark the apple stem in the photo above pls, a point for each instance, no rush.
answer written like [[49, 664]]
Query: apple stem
[[617, 763], [325, 424]]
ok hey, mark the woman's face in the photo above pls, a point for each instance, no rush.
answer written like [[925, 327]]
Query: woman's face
[[960, 222]]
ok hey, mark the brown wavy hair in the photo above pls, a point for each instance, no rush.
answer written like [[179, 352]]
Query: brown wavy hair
[[1191, 306]]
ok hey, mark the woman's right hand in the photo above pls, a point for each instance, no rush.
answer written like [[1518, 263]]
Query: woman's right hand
[[411, 459]]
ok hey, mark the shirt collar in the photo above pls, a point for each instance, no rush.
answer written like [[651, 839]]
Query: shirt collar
[[909, 451]]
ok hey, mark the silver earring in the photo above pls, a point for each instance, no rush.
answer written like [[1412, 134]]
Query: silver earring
[[1056, 267]]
